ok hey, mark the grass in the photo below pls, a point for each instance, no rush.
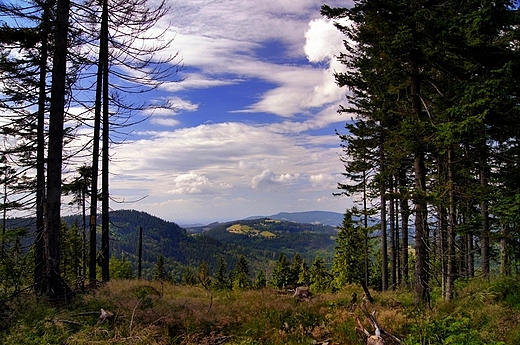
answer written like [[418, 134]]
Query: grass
[[156, 313]]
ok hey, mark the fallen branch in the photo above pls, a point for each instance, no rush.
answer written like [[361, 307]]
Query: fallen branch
[[70, 322], [378, 330], [105, 316]]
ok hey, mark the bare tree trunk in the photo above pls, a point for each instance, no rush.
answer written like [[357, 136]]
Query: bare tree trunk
[[422, 288], [105, 247], [54, 286], [451, 230], [393, 261], [39, 260], [103, 55], [384, 246], [140, 255], [470, 256], [441, 248], [365, 223], [405, 214], [505, 269], [484, 235]]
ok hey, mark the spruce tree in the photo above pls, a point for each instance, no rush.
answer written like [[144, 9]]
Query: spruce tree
[[159, 271], [349, 256], [281, 273]]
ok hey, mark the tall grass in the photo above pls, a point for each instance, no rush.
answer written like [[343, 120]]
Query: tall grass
[[155, 313]]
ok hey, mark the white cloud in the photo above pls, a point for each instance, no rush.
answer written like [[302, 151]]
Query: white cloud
[[226, 170], [164, 122], [268, 180], [197, 81], [228, 154], [190, 183], [221, 40], [322, 40], [323, 181]]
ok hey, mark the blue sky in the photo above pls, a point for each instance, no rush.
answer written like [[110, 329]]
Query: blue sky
[[253, 130]]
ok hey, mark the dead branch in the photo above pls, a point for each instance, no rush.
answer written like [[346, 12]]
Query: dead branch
[[379, 331], [70, 322], [105, 316]]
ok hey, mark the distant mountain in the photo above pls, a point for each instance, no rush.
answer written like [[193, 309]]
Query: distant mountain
[[260, 241], [311, 217]]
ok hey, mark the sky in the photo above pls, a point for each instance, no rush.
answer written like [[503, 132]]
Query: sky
[[252, 131]]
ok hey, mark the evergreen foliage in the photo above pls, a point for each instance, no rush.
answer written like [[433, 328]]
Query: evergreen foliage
[[120, 268], [220, 281], [241, 278], [433, 136], [281, 275], [319, 277], [159, 272], [203, 274], [260, 280], [350, 255]]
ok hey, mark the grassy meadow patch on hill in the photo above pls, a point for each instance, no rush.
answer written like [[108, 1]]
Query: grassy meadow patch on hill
[[162, 313]]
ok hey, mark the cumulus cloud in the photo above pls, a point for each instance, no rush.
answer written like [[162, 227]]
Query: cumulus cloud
[[190, 183], [268, 180], [223, 168], [164, 122], [323, 181], [322, 40]]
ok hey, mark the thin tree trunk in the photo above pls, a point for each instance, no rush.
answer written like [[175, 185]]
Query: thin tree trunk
[[140, 254], [365, 224], [405, 214], [504, 259], [393, 261], [39, 261], [470, 256], [484, 235], [384, 245], [441, 248], [451, 230], [95, 149], [105, 247], [422, 288], [55, 288]]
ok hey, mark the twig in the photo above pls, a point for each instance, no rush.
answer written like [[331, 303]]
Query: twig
[[70, 322], [132, 319]]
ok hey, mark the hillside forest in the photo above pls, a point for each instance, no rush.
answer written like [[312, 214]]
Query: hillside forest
[[431, 153]]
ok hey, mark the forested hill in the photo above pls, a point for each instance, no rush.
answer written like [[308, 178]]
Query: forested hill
[[312, 217], [276, 236], [260, 241]]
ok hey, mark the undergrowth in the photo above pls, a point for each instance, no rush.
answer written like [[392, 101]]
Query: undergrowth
[[159, 313]]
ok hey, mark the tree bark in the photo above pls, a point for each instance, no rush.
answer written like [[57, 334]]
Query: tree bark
[[39, 260], [105, 246], [422, 289], [451, 231], [103, 55], [405, 214], [384, 245], [54, 286], [484, 235]]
